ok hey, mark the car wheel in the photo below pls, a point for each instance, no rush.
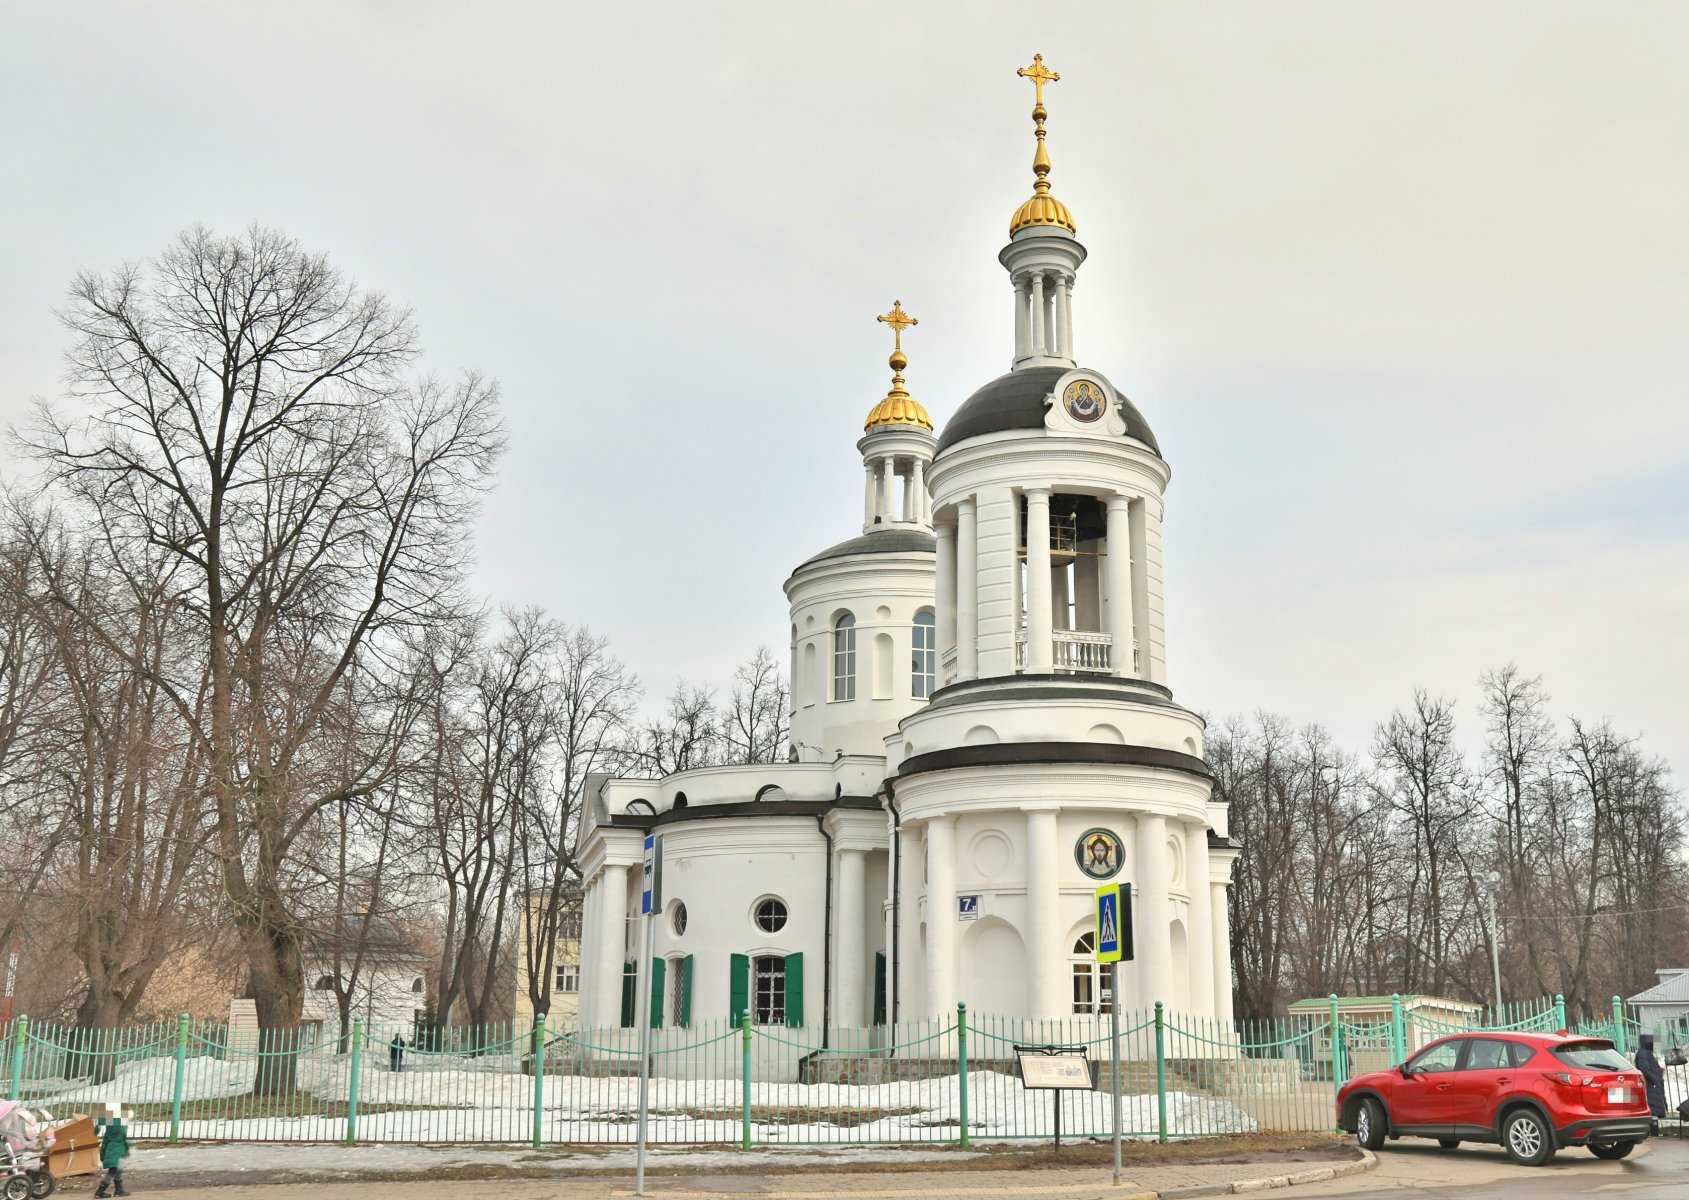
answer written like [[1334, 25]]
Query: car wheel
[[1448, 1143], [1370, 1125], [1527, 1138], [1611, 1150]]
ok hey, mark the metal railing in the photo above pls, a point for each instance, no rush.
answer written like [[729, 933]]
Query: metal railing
[[947, 1079]]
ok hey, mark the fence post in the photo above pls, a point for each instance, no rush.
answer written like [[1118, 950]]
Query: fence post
[[1398, 1035], [1337, 1071], [962, 1066], [539, 1079], [20, 1038], [354, 1084], [1620, 1034], [1160, 1074], [745, 1081], [181, 1077], [1559, 1011]]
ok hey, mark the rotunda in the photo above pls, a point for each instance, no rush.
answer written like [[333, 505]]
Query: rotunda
[[1052, 757]]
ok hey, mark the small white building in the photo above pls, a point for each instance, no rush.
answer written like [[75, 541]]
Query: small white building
[[1665, 1006], [390, 990], [982, 723]]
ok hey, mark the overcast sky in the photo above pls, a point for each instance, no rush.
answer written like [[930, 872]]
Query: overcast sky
[[1402, 290]]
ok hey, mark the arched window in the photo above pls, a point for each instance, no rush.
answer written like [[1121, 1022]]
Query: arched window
[[923, 660], [325, 983], [844, 657], [1093, 983], [416, 986]]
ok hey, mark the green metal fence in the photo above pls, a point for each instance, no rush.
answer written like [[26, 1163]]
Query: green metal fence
[[950, 1079]]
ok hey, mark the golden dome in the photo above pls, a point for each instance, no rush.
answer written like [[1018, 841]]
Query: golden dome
[[1042, 208], [899, 407]]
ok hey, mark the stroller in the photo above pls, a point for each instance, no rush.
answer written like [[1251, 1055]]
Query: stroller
[[24, 1140]]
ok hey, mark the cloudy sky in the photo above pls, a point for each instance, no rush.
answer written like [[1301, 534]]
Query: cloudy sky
[[1402, 288]]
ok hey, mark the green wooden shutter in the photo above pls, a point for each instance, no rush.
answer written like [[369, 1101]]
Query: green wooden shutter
[[658, 969], [738, 986], [683, 992], [628, 969], [879, 987], [794, 989]]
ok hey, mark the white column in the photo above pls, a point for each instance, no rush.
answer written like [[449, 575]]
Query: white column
[[967, 592], [1038, 634], [870, 485], [888, 488], [1046, 962], [1060, 599], [944, 593], [612, 930], [1064, 314], [941, 915], [589, 953], [1023, 318], [1201, 931], [918, 493], [1152, 943], [911, 964], [1220, 911], [1039, 336], [848, 923], [1118, 563], [1140, 590]]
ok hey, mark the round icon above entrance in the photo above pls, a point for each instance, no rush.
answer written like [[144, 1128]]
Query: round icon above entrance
[[1099, 853]]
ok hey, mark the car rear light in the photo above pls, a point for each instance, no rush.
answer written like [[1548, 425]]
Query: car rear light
[[1570, 1080]]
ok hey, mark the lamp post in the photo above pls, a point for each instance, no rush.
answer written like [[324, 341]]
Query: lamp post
[[1495, 939]]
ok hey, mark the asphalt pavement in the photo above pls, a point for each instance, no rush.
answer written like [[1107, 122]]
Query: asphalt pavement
[[1659, 1170]]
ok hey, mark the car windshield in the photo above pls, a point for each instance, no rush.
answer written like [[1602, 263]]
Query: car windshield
[[1592, 1056]]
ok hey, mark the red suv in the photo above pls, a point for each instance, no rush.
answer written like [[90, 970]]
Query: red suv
[[1533, 1093]]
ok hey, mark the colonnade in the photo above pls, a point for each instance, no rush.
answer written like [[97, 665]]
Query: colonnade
[[927, 976], [1043, 314], [880, 501], [1117, 597]]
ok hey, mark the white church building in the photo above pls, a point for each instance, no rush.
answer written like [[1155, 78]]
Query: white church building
[[982, 730]]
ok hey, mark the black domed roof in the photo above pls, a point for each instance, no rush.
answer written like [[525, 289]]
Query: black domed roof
[[881, 541], [1016, 401]]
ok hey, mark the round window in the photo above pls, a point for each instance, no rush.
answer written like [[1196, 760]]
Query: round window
[[771, 915], [677, 918]]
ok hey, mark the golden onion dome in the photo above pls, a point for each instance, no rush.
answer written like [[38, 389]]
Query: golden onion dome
[[1041, 209], [899, 407]]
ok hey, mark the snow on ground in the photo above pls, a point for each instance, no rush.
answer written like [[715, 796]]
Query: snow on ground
[[490, 1100]]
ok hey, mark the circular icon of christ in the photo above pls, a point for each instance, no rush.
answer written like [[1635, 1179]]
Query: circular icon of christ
[[1099, 853]]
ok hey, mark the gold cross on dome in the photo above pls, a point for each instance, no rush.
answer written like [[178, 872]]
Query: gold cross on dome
[[898, 320], [1040, 75]]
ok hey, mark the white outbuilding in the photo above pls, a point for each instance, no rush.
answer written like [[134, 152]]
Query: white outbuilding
[[982, 727]]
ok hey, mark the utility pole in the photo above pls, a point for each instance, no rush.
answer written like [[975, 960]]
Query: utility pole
[[1495, 940]]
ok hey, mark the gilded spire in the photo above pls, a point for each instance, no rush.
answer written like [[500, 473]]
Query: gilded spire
[[1042, 208], [899, 407]]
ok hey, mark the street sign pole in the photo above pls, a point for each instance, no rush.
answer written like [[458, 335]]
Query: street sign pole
[[1114, 945], [649, 901]]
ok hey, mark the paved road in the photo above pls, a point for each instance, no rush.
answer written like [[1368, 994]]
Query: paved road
[[1660, 1171]]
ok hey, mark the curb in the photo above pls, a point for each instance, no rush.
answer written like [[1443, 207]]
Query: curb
[[1366, 1162]]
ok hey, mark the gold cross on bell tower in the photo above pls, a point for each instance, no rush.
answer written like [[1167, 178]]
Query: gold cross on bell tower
[[1040, 75]]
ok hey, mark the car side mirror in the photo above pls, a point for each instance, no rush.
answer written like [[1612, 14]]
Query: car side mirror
[[1407, 1071]]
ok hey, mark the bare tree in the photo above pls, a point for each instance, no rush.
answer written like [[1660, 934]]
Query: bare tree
[[249, 420], [756, 726]]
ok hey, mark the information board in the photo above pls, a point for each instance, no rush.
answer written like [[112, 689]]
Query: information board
[[1060, 1069]]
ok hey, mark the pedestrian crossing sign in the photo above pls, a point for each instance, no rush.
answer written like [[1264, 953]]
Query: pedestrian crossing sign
[[1114, 933]]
